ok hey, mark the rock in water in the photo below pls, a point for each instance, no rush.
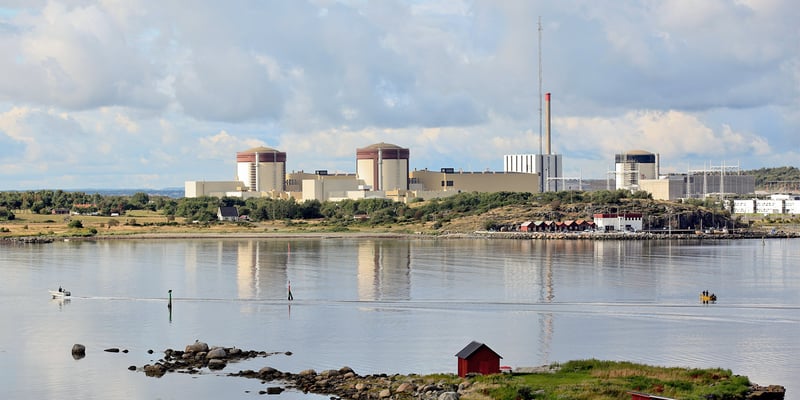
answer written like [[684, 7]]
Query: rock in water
[[197, 347], [217, 352], [78, 351]]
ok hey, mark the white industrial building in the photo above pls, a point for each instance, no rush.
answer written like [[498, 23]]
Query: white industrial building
[[548, 166], [776, 204], [633, 166], [618, 222], [262, 169]]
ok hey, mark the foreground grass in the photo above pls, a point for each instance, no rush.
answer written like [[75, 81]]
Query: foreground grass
[[148, 222], [611, 380]]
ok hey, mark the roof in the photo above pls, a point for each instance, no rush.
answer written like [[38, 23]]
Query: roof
[[638, 152], [472, 348], [228, 212], [259, 149], [383, 145]]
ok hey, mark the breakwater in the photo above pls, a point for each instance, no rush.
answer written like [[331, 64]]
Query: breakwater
[[626, 236]]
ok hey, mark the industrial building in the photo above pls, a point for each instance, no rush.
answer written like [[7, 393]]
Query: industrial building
[[262, 169], [636, 170], [633, 166], [631, 222], [448, 180], [776, 204], [687, 186], [382, 166], [382, 171], [547, 165]]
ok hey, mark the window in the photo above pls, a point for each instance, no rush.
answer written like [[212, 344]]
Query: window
[[447, 183]]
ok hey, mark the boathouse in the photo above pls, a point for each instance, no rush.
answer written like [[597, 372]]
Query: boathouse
[[478, 358]]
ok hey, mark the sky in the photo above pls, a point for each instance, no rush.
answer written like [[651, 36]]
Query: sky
[[150, 94]]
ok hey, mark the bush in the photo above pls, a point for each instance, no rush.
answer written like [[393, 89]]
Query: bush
[[75, 224]]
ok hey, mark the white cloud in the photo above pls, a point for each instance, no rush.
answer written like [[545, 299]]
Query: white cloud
[[105, 85], [676, 136]]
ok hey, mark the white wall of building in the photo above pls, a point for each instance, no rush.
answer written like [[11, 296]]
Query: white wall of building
[[769, 206], [792, 206], [747, 206]]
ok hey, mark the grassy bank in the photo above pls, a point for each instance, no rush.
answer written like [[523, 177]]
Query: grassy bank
[[598, 380]]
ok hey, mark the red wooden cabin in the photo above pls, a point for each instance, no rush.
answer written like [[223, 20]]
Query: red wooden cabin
[[478, 358]]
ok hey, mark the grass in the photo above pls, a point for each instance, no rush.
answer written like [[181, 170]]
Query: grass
[[149, 222], [611, 380]]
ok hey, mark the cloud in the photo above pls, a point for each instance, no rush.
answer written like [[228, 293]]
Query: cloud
[[76, 58], [675, 135], [171, 93]]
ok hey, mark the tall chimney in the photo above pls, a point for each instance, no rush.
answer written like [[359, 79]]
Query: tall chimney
[[547, 121]]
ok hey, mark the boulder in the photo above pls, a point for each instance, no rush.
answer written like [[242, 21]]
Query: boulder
[[267, 371], [217, 352], [406, 387], [274, 390], [345, 370], [216, 364], [307, 372], [78, 351], [448, 396], [385, 393], [156, 370], [197, 347]]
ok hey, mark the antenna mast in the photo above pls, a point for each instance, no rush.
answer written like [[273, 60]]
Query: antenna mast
[[540, 84]]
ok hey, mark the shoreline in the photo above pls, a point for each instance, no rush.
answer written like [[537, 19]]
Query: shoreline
[[593, 236]]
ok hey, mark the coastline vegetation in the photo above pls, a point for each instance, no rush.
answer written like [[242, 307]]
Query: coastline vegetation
[[611, 380], [60, 213]]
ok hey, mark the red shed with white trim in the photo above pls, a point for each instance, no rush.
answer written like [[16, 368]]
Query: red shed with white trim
[[478, 358]]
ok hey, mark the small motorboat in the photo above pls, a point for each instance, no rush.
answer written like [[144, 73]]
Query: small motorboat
[[708, 298], [60, 294]]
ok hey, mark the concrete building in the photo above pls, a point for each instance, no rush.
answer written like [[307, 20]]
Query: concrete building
[[746, 206], [632, 166], [382, 166], [618, 222], [447, 180], [670, 187], [262, 169], [213, 188], [776, 204]]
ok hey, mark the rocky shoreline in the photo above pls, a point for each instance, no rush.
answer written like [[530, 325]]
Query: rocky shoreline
[[343, 383]]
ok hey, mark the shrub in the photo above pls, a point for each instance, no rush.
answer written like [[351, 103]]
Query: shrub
[[75, 224]]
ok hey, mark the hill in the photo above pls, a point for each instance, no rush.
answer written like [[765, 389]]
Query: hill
[[776, 179]]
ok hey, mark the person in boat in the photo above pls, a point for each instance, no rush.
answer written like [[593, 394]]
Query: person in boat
[[60, 289], [713, 297]]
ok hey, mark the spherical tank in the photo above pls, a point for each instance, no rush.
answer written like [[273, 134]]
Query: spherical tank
[[262, 169], [383, 166]]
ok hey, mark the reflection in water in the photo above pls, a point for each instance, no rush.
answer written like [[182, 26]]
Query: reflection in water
[[384, 270], [261, 269]]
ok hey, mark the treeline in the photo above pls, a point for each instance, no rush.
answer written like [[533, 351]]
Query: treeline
[[372, 211], [765, 176]]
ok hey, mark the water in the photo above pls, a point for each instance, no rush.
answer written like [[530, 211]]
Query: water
[[393, 306]]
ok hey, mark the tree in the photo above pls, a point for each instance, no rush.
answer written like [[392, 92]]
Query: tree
[[75, 224], [6, 214]]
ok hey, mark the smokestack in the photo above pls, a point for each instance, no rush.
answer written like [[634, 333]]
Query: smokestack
[[547, 121]]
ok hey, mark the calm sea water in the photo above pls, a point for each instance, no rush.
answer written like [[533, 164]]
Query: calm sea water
[[393, 306]]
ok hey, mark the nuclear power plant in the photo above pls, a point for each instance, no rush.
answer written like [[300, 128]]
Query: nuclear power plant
[[382, 171]]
